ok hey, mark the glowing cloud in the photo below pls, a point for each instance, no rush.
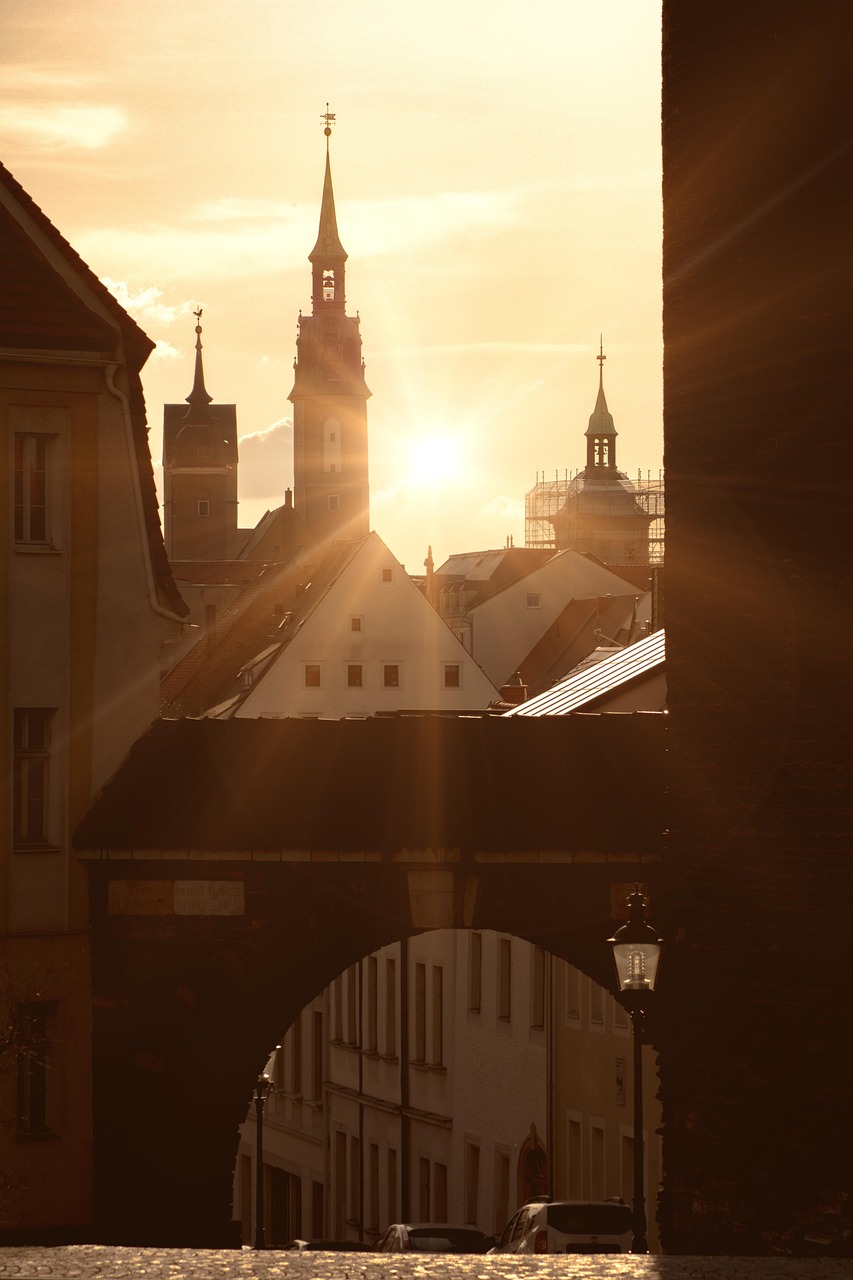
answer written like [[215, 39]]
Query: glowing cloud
[[56, 125]]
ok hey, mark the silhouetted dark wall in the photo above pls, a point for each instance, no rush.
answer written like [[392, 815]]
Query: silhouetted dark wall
[[757, 327]]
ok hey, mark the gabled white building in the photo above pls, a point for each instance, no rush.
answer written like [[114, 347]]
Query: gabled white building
[[360, 639], [541, 619]]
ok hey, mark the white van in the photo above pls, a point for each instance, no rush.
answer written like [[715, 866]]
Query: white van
[[568, 1226]]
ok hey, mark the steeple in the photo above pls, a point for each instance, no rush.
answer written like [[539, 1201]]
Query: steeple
[[198, 399], [329, 396], [601, 432], [328, 255]]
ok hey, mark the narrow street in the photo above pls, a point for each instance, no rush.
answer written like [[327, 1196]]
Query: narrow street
[[96, 1262]]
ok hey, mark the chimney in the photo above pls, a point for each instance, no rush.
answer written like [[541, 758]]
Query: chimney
[[515, 690]]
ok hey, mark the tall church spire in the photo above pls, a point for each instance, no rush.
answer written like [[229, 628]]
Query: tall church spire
[[198, 399], [328, 255], [329, 393], [601, 432]]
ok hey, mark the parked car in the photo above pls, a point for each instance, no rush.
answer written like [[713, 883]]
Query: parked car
[[327, 1246], [429, 1237], [568, 1226]]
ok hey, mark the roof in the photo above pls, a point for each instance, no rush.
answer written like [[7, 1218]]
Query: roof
[[37, 308], [488, 572], [578, 783], [40, 310], [590, 682], [279, 534], [328, 247]]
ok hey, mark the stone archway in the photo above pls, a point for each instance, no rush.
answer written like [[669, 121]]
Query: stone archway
[[200, 956]]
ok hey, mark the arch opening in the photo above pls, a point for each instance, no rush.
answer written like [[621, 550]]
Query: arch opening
[[449, 1076]]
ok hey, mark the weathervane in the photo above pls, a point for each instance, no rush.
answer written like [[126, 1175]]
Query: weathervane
[[601, 357], [329, 117]]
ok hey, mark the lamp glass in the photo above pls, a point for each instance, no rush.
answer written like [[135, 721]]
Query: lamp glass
[[636, 965]]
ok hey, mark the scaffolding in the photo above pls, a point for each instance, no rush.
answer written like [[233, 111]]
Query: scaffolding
[[548, 497]]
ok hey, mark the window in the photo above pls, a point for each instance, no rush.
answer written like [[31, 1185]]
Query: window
[[626, 1170], [372, 985], [423, 1189], [596, 1004], [502, 1190], [354, 1177], [504, 979], [340, 1181], [573, 994], [203, 507], [296, 1056], [32, 485], [352, 1006], [620, 1016], [355, 624], [386, 575], [33, 1037], [452, 675], [391, 1008], [537, 993], [317, 1210], [574, 1157], [391, 675], [420, 1012], [534, 600], [312, 675], [437, 1015], [334, 502], [339, 1008], [317, 1038], [373, 1197], [331, 444], [392, 1185], [596, 1160], [439, 1200], [475, 972], [472, 1182], [31, 740], [354, 675]]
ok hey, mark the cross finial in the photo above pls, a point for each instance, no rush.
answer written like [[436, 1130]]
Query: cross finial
[[329, 117]]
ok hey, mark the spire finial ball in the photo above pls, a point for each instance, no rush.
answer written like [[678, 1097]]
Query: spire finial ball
[[327, 131]]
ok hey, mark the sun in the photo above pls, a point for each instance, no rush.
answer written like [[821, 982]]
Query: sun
[[434, 459]]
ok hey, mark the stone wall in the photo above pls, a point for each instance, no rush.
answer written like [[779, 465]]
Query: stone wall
[[757, 324]]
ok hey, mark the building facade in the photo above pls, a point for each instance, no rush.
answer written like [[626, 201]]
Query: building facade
[[89, 604]]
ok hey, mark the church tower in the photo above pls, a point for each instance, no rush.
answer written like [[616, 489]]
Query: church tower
[[603, 514], [200, 473], [329, 393]]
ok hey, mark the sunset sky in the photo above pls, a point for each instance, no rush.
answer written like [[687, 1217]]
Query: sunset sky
[[497, 179]]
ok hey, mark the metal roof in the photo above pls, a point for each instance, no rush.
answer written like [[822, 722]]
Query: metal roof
[[588, 684]]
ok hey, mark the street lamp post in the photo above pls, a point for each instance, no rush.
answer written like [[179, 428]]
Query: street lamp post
[[636, 954], [263, 1089]]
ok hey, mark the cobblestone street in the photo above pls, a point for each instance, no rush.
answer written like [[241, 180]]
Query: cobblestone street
[[111, 1263]]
